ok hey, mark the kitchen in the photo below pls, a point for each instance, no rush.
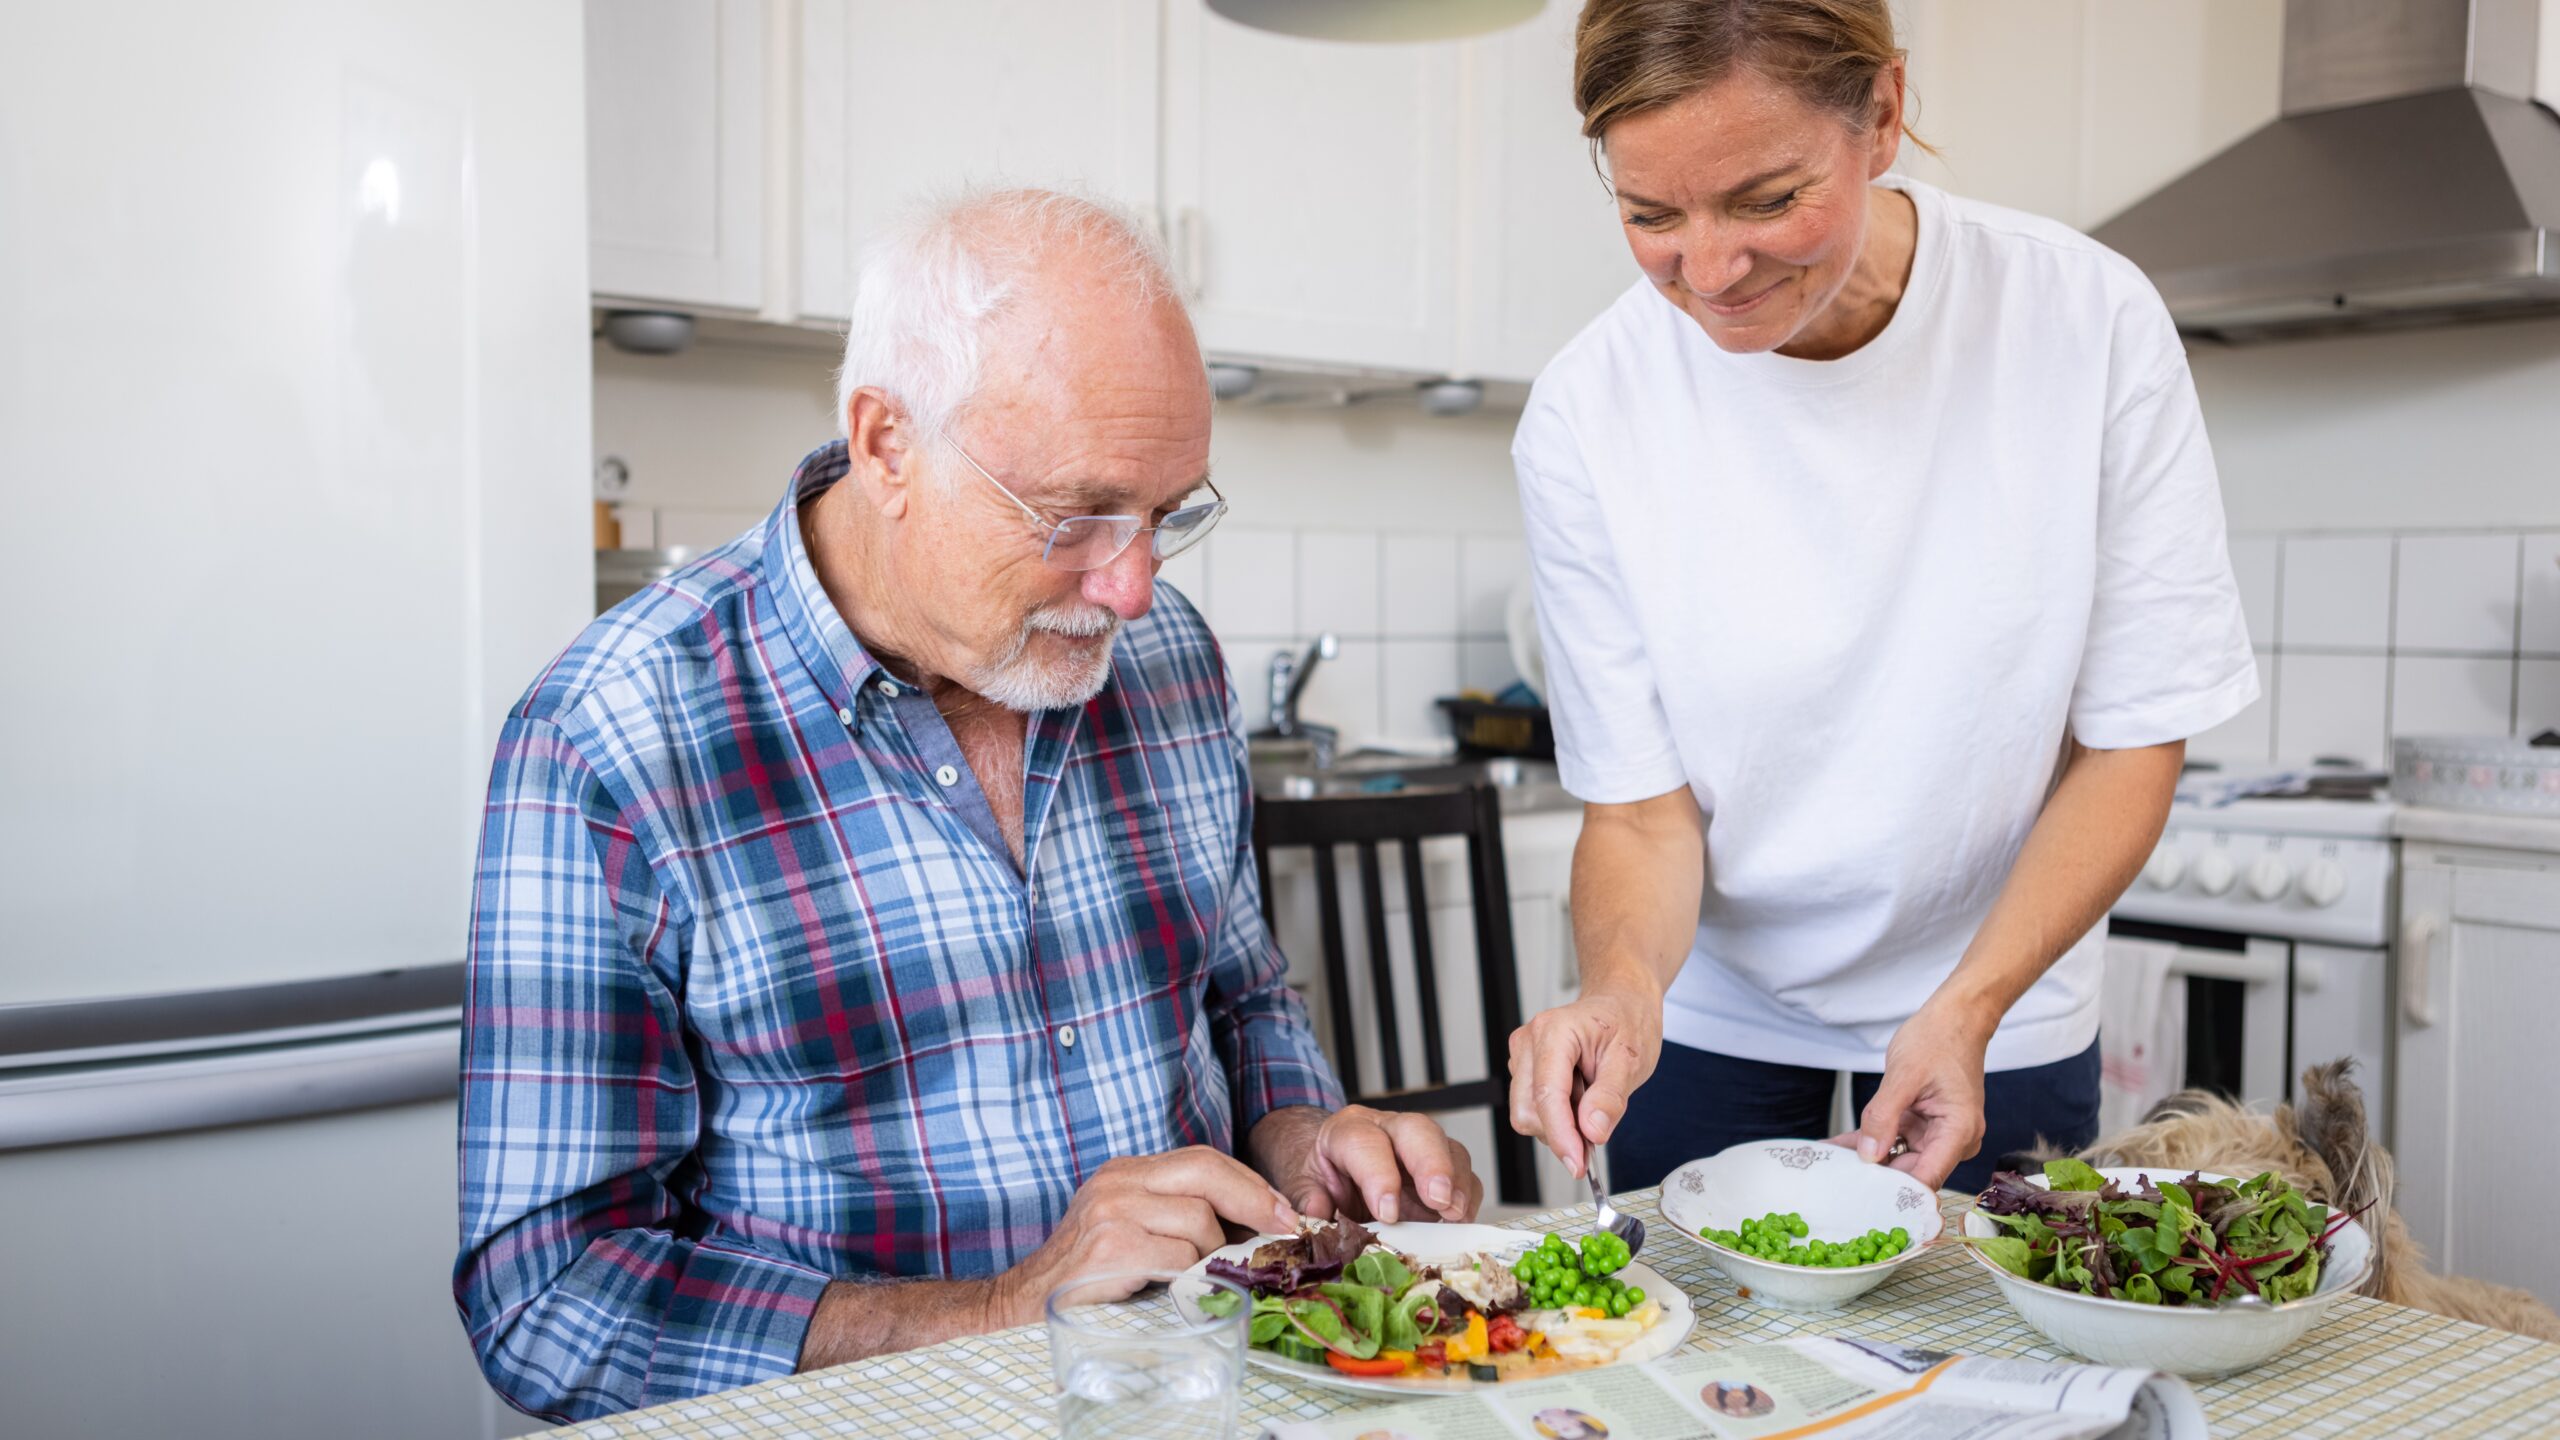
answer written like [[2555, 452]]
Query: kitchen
[[405, 235]]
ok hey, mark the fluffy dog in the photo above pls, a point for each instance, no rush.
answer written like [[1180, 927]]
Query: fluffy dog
[[2325, 1148]]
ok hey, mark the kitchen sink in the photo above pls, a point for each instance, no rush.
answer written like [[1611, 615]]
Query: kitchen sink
[[1287, 769]]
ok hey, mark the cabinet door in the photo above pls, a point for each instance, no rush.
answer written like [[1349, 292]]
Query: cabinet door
[[2480, 982], [900, 101], [1543, 249], [675, 151], [1310, 186]]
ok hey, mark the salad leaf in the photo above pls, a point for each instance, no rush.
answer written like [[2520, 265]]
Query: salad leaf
[[2069, 1174], [1382, 1269], [1220, 1303], [2006, 1251], [2148, 1249], [1364, 1307], [2142, 1290]]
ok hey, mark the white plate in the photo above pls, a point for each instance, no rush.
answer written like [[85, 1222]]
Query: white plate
[[1435, 1244]]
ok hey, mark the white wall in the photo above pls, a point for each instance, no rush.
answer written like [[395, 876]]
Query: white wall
[[1396, 531]]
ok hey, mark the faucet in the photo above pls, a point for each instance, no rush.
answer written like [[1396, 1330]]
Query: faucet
[[1289, 677]]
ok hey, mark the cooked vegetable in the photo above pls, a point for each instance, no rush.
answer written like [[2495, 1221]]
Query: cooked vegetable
[[1773, 1237], [2190, 1242]]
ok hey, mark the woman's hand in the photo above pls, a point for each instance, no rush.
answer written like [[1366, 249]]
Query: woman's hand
[[1609, 1039], [1931, 1098]]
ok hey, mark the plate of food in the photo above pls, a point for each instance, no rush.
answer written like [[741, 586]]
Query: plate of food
[[1400, 1309]]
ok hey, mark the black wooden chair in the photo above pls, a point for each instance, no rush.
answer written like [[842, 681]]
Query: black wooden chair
[[1408, 818]]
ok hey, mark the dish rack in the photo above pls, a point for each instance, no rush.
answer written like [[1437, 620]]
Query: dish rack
[[2489, 773]]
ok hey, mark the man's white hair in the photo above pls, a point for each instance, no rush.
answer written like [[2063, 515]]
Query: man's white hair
[[933, 285]]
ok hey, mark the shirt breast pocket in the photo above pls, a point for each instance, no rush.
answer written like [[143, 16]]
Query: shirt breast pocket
[[1166, 893]]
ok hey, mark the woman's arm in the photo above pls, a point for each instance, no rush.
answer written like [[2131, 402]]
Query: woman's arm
[[1639, 871], [2083, 851]]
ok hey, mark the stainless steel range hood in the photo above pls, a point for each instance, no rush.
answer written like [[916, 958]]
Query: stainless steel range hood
[[2409, 181]]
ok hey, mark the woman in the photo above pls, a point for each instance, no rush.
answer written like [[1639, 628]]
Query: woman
[[1880, 561]]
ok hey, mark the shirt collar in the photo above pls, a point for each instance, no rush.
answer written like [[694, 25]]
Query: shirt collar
[[838, 660]]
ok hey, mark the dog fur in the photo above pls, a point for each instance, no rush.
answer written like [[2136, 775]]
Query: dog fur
[[2325, 1148]]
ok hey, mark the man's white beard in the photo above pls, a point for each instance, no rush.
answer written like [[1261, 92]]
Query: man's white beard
[[1020, 681]]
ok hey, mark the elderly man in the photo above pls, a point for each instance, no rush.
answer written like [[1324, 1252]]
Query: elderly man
[[873, 899]]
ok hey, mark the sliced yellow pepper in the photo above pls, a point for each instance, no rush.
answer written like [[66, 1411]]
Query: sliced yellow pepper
[[1478, 1347]]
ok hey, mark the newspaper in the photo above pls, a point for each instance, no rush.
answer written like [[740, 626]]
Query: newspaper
[[1841, 1389]]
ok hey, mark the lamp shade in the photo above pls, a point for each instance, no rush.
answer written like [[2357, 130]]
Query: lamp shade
[[1381, 20]]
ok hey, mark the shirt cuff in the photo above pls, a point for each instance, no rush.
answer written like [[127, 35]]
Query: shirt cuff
[[736, 1318], [1278, 1067]]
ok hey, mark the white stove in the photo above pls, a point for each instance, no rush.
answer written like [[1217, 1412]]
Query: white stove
[[2281, 910]]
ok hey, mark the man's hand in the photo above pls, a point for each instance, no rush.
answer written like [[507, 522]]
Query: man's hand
[[1146, 1212], [1609, 1040], [1364, 1164], [1931, 1096]]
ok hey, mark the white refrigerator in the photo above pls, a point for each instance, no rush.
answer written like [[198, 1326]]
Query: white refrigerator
[[294, 429]]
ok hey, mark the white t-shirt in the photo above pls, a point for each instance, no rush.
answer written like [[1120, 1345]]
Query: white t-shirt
[[1856, 606]]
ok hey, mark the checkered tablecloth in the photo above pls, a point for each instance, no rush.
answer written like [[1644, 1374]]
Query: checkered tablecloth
[[2369, 1369]]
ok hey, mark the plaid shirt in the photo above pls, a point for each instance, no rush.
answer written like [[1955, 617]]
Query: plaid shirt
[[758, 997]]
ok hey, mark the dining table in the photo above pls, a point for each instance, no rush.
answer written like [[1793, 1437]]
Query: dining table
[[2369, 1368]]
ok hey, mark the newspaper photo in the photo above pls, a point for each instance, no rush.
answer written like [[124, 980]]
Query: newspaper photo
[[1840, 1389]]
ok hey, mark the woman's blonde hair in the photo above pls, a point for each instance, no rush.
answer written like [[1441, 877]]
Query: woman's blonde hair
[[1633, 56]]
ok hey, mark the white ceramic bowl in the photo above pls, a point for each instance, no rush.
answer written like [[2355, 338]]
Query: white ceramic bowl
[[1840, 1196], [2195, 1340]]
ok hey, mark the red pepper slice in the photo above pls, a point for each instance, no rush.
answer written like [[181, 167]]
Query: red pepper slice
[[1348, 1366]]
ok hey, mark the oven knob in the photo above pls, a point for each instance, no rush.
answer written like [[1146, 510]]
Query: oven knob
[[2166, 867], [2268, 877], [2323, 883], [2215, 872]]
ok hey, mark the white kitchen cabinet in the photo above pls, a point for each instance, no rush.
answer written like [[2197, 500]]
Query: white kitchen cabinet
[[899, 101], [1542, 253], [1311, 190], [2076, 108], [2479, 985], [675, 152]]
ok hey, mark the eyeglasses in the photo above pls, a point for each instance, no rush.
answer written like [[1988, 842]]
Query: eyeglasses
[[1089, 542]]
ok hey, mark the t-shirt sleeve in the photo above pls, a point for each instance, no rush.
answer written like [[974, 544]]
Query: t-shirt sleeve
[[2168, 651], [1613, 739]]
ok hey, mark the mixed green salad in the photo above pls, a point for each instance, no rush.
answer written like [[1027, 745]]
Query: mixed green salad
[[2178, 1242], [1333, 1295]]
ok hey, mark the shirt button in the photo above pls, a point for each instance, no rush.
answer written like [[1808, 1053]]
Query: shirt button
[[946, 776], [1067, 1036], [845, 718], [889, 688]]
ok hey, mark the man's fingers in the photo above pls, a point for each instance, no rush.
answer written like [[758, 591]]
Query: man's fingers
[[1359, 1150], [1228, 1184], [1881, 1121], [1425, 1151], [1176, 1217]]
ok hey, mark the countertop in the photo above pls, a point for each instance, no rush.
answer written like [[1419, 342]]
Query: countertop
[[2477, 827], [2369, 1369]]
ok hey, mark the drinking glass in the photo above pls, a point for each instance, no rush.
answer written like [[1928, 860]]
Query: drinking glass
[[1142, 1370]]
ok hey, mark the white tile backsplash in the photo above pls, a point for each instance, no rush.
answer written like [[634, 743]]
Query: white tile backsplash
[[2332, 705], [1489, 566], [1338, 582], [1345, 692], [2537, 697], [1486, 665], [2248, 736], [1253, 582], [2254, 567], [2456, 592], [2541, 595], [1420, 586], [1417, 673], [2337, 592], [2448, 695], [1188, 572]]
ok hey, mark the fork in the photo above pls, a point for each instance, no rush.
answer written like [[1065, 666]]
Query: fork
[[1595, 1168]]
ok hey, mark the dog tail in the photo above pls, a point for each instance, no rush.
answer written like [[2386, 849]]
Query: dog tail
[[2330, 1122]]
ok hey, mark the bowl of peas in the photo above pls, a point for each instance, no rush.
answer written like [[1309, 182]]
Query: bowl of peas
[[1801, 1224]]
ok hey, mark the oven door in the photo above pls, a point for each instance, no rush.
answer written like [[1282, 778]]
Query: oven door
[[2239, 1008]]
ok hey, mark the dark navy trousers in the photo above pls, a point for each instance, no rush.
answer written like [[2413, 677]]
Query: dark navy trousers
[[1699, 1102]]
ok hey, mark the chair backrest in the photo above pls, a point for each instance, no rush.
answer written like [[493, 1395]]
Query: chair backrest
[[1405, 819]]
